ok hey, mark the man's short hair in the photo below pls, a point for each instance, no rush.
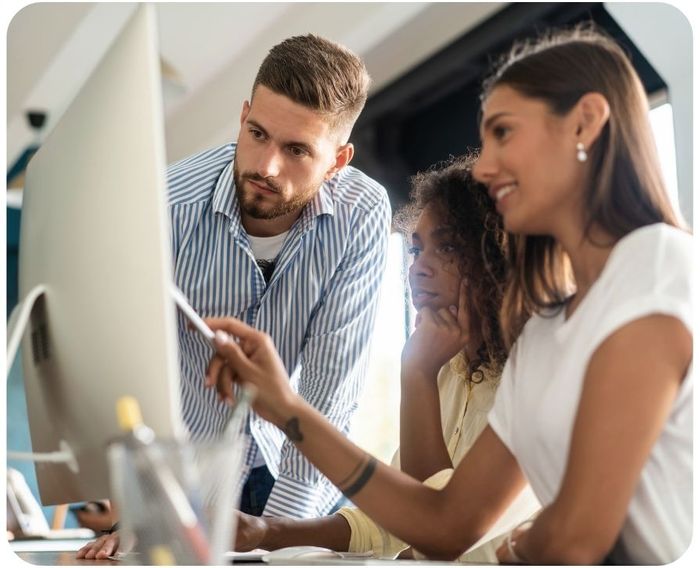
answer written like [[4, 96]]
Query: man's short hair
[[319, 74]]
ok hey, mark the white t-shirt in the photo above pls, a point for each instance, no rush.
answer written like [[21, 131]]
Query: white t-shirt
[[648, 272], [267, 248]]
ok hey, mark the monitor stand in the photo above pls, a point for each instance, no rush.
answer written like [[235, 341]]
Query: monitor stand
[[18, 321], [15, 329]]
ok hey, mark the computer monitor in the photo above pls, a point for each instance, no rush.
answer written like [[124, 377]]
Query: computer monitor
[[95, 233]]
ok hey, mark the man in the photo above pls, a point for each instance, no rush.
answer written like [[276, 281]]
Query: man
[[279, 231]]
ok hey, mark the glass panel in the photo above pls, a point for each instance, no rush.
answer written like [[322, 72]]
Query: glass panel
[[661, 119], [375, 426]]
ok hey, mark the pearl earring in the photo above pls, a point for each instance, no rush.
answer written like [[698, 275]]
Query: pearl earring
[[581, 154]]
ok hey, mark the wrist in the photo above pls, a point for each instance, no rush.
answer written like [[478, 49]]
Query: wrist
[[272, 532], [114, 528], [514, 537], [420, 374], [290, 417], [289, 407]]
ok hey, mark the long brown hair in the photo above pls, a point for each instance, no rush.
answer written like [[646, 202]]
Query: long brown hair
[[625, 189], [476, 231]]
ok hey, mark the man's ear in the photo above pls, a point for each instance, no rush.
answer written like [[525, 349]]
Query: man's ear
[[342, 159], [592, 114], [244, 111]]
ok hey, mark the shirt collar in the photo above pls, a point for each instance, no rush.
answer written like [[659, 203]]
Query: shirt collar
[[225, 200], [322, 203]]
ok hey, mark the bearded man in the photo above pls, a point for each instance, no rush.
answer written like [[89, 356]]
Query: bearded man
[[279, 231]]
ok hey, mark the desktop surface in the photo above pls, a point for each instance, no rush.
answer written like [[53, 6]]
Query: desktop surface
[[65, 558], [58, 553], [69, 559]]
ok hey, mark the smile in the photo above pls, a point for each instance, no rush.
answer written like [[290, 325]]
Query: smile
[[505, 190]]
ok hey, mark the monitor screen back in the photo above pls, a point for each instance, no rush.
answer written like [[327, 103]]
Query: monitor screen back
[[95, 231]]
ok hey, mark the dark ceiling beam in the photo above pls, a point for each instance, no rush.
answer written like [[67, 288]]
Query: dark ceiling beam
[[465, 60]]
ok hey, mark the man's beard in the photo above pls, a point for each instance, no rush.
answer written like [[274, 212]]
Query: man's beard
[[255, 205]]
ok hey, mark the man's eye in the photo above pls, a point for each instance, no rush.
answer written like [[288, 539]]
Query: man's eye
[[257, 134], [297, 151]]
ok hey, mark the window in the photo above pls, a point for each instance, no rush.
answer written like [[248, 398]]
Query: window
[[661, 118], [375, 426]]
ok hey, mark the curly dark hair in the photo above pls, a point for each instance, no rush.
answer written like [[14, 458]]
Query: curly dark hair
[[480, 242]]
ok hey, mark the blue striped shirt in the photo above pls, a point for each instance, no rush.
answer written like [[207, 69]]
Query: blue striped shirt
[[318, 307]]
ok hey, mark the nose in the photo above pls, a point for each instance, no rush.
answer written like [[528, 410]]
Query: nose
[[420, 268], [484, 169], [269, 162]]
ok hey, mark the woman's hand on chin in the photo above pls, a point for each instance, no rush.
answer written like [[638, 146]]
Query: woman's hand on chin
[[439, 335]]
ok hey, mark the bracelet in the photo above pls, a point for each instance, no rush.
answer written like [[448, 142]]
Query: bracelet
[[510, 543], [114, 528], [362, 480]]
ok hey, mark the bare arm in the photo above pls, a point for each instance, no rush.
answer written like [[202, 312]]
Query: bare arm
[[631, 383], [438, 337], [439, 523], [271, 533], [423, 450]]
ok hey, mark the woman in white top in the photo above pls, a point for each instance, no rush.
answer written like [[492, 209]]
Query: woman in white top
[[448, 376], [595, 403]]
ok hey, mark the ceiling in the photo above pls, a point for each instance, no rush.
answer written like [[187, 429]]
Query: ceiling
[[209, 54]]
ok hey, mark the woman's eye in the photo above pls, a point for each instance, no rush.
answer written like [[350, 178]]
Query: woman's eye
[[414, 252], [446, 249], [500, 131]]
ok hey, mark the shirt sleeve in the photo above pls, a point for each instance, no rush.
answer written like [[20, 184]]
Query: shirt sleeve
[[661, 284], [334, 360]]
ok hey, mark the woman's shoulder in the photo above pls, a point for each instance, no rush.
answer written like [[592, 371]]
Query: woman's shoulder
[[649, 271], [655, 240], [647, 254]]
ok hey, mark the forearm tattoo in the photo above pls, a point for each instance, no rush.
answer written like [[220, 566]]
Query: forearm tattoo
[[292, 431], [360, 480], [359, 476]]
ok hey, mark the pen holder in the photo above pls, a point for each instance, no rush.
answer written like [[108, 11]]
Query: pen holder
[[176, 501]]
